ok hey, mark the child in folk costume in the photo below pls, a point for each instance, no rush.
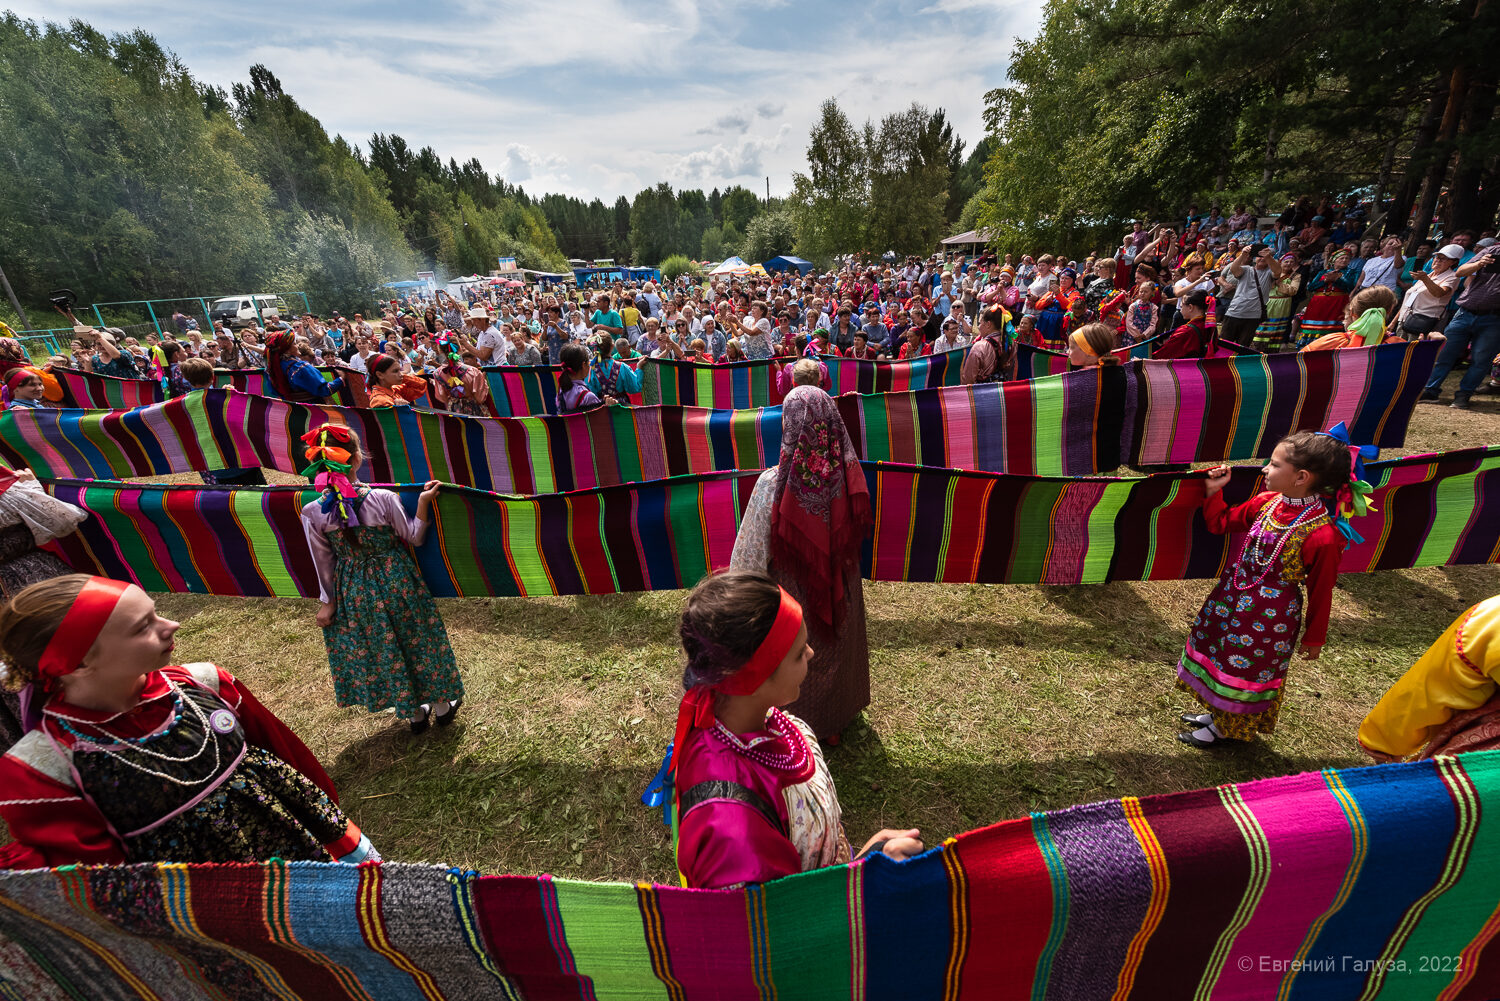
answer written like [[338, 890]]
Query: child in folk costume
[[753, 799], [1365, 320], [1240, 647], [573, 393], [461, 388], [387, 646], [127, 759], [389, 386]]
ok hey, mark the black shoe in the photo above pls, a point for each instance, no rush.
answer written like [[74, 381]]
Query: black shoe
[[1195, 720], [451, 714], [420, 724], [1428, 396], [1461, 402], [1192, 740]]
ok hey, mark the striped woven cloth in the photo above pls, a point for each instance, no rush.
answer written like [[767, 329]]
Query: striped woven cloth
[[930, 525], [89, 391], [220, 429], [1374, 883], [1076, 424], [753, 383]]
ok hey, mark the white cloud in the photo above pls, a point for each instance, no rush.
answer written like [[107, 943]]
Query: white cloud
[[595, 98], [521, 162]]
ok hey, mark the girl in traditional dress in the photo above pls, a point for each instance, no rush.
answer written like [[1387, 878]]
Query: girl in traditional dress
[[753, 800], [13, 357], [1324, 312], [130, 760], [573, 393], [387, 646], [293, 379], [805, 524], [25, 388], [389, 386], [1240, 647], [1365, 320], [1271, 333], [461, 388]]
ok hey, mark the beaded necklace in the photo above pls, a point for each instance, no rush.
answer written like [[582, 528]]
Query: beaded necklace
[[1255, 544], [137, 743], [793, 760]]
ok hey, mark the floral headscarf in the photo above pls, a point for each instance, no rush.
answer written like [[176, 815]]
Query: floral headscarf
[[821, 514], [279, 346]]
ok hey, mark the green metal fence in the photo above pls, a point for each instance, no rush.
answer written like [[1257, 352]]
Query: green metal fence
[[159, 312]]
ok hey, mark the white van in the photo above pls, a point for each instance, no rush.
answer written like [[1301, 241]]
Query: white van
[[239, 310]]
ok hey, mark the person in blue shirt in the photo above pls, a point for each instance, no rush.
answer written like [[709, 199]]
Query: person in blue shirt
[[294, 379], [609, 378]]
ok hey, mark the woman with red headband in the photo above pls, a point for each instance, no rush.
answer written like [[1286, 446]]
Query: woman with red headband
[[389, 386], [804, 525], [753, 800], [387, 646], [129, 760]]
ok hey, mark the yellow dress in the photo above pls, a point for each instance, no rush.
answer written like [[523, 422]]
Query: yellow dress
[[1460, 672]]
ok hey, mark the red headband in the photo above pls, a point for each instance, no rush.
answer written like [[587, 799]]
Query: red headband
[[80, 627], [696, 711]]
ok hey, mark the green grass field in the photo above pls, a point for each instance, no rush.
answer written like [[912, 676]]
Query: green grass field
[[988, 702]]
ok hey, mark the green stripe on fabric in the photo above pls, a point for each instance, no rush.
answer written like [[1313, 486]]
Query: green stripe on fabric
[[1152, 533], [942, 559], [270, 560], [1252, 376], [1034, 538], [1460, 904], [1454, 503], [1049, 410], [1060, 904], [627, 445], [1260, 874], [1101, 528], [539, 454], [808, 934], [602, 924], [685, 517], [877, 427]]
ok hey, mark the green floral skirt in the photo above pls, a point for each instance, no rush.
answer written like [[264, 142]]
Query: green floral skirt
[[387, 645]]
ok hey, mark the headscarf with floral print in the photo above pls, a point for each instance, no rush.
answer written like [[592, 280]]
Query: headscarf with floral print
[[821, 513]]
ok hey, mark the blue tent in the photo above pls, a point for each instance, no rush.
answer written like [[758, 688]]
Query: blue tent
[[406, 284], [785, 263]]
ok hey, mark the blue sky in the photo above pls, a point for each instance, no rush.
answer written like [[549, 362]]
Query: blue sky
[[594, 98]]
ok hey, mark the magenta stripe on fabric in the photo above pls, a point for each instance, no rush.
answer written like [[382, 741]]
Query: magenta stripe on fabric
[[1311, 848], [708, 941], [1230, 680], [1192, 409], [1350, 383], [1070, 533]]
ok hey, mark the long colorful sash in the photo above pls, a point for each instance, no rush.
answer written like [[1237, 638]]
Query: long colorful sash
[[930, 525], [1370, 882], [89, 391], [1076, 424]]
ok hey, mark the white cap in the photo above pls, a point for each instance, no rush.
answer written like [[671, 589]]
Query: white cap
[[1453, 250]]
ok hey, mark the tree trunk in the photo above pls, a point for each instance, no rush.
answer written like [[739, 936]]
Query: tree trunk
[[1406, 195], [1464, 207], [1383, 181], [1438, 169]]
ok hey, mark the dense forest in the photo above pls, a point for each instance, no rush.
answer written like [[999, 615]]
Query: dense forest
[[1125, 108], [122, 177]]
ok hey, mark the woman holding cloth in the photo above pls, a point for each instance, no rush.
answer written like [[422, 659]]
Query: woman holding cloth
[[127, 759], [805, 525]]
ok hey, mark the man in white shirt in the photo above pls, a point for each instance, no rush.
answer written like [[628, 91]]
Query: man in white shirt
[[1385, 269], [489, 343]]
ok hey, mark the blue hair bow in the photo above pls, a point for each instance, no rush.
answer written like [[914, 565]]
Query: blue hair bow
[[1353, 498]]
